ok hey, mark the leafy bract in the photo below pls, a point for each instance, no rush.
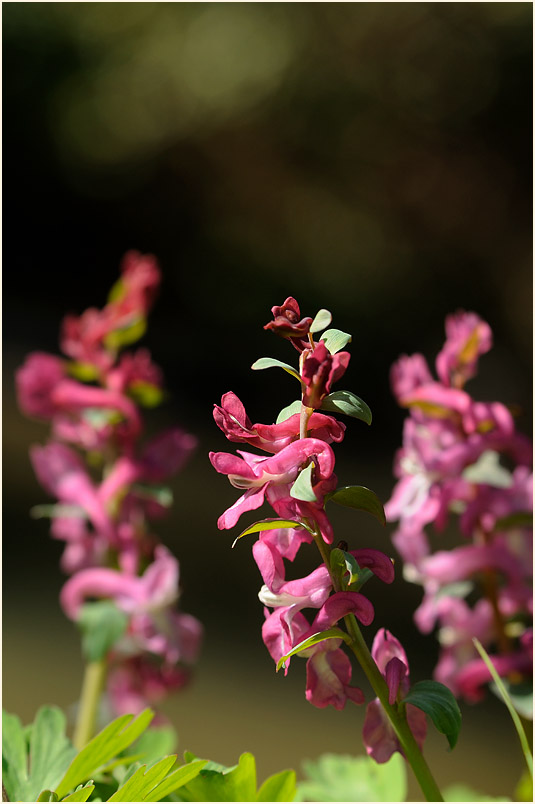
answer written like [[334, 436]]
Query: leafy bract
[[335, 339], [333, 777], [271, 524], [349, 404], [361, 498], [331, 633], [439, 703], [321, 320], [279, 787], [270, 362], [302, 489], [27, 772], [107, 744], [289, 410], [102, 624]]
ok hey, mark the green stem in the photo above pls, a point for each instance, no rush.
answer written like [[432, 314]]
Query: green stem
[[397, 716], [93, 684]]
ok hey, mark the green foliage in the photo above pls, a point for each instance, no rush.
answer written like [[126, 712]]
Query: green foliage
[[439, 703], [349, 404], [361, 498], [238, 783], [145, 393], [302, 489], [270, 362], [271, 524], [126, 335], [462, 792], [345, 567], [101, 624], [162, 495], [331, 633], [289, 410], [117, 736], [321, 320], [29, 767], [335, 340], [85, 372], [345, 778]]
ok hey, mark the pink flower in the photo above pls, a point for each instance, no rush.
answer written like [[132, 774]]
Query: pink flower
[[320, 371], [138, 682], [379, 736], [288, 323], [409, 373], [328, 676], [234, 422], [134, 369], [467, 337]]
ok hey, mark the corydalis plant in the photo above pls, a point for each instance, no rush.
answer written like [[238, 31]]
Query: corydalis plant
[[297, 479], [107, 482], [452, 463]]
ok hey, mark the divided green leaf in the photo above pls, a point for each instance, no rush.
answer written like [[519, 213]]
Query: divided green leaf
[[349, 404], [117, 736], [335, 340], [321, 320], [439, 703], [102, 624], [334, 777], [270, 362], [139, 786], [302, 489], [361, 498], [288, 411], [217, 783], [331, 633], [82, 793]]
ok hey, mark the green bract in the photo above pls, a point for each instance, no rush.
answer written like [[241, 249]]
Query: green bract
[[289, 410], [349, 404], [439, 703], [361, 498], [270, 362], [322, 319], [335, 340], [331, 633], [302, 489]]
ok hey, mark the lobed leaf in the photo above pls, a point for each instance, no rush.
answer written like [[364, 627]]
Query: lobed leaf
[[439, 703], [345, 778], [335, 340], [117, 736], [217, 783], [361, 498], [331, 633], [140, 785], [180, 777], [270, 362], [349, 404]]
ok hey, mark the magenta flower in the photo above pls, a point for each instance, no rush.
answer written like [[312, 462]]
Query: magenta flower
[[467, 337], [288, 323], [234, 422], [320, 371], [139, 681], [379, 737]]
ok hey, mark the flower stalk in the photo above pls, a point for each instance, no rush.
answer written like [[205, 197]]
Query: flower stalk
[[92, 687]]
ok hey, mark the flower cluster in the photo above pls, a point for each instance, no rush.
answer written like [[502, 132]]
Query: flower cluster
[[452, 461], [108, 484], [297, 478]]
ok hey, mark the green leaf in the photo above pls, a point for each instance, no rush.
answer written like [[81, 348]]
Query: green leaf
[[332, 633], [163, 495], [140, 785], [126, 335], [180, 777], [50, 752], [271, 524], [218, 783], [102, 624], [302, 489], [85, 372], [279, 787], [524, 788], [290, 410], [361, 498], [145, 393], [462, 792], [155, 743], [341, 563], [335, 777], [47, 795], [322, 319], [117, 291], [349, 404], [270, 362], [439, 703], [335, 340], [509, 704], [82, 793], [107, 744]]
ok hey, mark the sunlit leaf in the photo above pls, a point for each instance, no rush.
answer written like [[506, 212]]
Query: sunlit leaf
[[321, 320], [271, 524], [349, 404], [270, 362], [335, 340], [335, 777], [361, 498], [302, 489], [331, 633], [288, 411]]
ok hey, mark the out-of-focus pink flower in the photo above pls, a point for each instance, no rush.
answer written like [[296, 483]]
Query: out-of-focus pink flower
[[320, 371], [36, 381], [138, 682], [379, 736], [134, 368], [467, 337], [409, 373], [288, 323], [232, 419]]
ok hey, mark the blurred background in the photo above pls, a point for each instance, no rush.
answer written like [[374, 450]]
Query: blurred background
[[371, 158]]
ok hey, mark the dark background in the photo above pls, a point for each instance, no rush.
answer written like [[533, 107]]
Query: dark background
[[371, 158]]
